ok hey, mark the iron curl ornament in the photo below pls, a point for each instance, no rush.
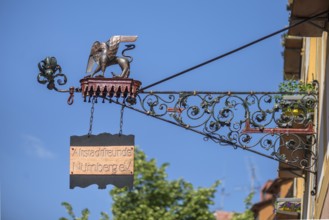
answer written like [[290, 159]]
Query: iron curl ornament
[[49, 71]]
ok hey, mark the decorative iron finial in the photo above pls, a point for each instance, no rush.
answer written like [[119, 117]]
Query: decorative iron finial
[[49, 70], [104, 55]]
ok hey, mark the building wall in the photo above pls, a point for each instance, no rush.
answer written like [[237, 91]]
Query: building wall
[[285, 188], [314, 67], [299, 187], [322, 199], [316, 61], [266, 213]]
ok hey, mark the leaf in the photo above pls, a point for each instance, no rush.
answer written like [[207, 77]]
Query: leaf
[[69, 209], [85, 214], [104, 216]]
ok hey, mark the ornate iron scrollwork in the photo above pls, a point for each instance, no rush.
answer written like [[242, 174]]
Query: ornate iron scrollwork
[[279, 125]]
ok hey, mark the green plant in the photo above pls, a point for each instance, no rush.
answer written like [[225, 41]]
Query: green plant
[[297, 104], [69, 209], [295, 86], [156, 197]]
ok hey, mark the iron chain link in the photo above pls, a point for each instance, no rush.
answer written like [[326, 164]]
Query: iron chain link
[[91, 116], [121, 118]]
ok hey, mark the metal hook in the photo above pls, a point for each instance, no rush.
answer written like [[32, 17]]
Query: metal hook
[[71, 97]]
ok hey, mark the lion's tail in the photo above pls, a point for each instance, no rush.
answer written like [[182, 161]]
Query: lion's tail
[[128, 47]]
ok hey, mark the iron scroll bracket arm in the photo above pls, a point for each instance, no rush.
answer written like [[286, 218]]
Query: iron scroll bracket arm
[[286, 145]]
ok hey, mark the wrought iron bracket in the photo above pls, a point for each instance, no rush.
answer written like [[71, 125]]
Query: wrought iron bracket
[[276, 125], [265, 123]]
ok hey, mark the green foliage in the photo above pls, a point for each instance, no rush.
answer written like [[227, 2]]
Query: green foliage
[[247, 214], [293, 87], [155, 197], [69, 209], [299, 107], [296, 86], [104, 216]]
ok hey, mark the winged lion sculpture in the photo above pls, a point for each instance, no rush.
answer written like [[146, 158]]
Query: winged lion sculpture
[[104, 55]]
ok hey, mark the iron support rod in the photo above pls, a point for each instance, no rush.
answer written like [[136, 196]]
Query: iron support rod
[[233, 51], [226, 93]]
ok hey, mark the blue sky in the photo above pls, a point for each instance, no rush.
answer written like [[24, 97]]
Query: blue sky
[[173, 35]]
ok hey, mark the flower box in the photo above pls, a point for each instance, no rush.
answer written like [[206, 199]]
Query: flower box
[[288, 206]]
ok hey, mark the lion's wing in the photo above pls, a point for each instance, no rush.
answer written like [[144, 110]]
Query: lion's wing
[[91, 60], [114, 42]]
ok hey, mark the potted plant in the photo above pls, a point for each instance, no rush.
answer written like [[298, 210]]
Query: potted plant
[[297, 104]]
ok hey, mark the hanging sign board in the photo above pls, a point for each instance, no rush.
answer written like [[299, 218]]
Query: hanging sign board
[[107, 160], [102, 159]]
